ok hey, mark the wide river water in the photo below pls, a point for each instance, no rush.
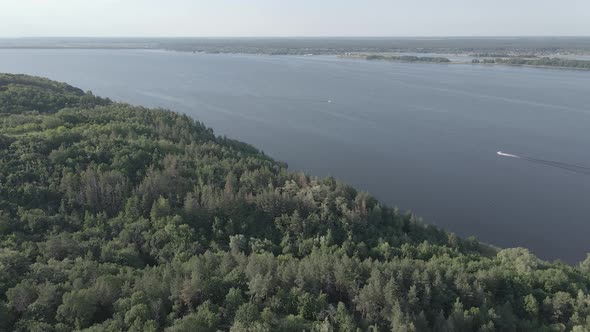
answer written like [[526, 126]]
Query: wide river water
[[422, 137]]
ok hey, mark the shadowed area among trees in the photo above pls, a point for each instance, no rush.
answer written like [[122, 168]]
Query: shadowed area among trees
[[121, 218]]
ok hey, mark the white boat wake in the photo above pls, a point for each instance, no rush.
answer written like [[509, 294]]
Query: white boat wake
[[500, 153], [568, 167]]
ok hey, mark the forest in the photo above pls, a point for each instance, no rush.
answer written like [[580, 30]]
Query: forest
[[116, 217]]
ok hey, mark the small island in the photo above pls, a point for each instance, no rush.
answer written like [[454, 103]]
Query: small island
[[537, 62], [485, 58], [402, 58]]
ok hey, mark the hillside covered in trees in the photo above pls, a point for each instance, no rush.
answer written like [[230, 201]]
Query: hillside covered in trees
[[120, 218]]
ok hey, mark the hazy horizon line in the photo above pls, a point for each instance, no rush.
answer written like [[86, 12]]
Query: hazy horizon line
[[303, 36]]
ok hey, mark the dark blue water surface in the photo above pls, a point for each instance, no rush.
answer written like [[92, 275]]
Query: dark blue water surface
[[419, 136]]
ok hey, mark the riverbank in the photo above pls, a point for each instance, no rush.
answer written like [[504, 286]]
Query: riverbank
[[536, 62]]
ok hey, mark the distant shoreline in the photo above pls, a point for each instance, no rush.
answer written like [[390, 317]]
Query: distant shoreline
[[401, 56], [441, 59]]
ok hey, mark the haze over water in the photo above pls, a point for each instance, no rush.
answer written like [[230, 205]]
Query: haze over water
[[418, 136]]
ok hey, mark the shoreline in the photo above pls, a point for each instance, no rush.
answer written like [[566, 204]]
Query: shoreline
[[452, 62], [337, 55]]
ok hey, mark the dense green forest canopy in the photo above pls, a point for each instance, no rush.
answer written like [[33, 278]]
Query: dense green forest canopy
[[120, 218]]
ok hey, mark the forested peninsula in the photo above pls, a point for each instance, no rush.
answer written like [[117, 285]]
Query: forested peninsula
[[116, 217], [531, 61], [537, 62]]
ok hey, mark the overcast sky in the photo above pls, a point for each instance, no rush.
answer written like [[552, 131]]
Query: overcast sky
[[26, 18]]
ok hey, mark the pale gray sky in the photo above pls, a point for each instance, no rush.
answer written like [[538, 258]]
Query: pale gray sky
[[26, 18]]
